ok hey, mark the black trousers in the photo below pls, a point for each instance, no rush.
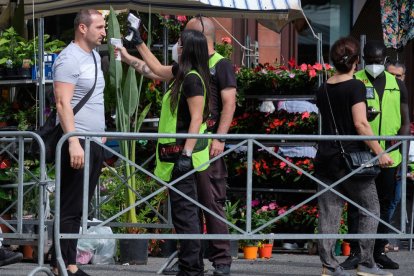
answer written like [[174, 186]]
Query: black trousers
[[385, 183], [72, 196], [211, 187], [185, 217]]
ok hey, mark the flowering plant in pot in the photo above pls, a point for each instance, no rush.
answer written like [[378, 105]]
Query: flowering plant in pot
[[278, 78], [224, 48]]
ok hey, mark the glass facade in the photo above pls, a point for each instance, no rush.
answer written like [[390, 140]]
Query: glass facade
[[332, 18]]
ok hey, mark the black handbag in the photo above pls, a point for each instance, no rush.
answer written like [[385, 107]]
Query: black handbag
[[358, 159], [51, 132]]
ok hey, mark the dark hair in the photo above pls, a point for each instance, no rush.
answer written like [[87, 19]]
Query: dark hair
[[374, 49], [396, 63], [84, 17], [344, 53], [194, 56]]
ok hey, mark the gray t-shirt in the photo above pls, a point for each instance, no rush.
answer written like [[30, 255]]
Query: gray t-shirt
[[76, 66]]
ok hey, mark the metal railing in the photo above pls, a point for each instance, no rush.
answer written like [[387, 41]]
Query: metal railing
[[17, 140], [12, 144]]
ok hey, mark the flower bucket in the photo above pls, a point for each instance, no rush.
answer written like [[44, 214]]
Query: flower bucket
[[338, 246], [265, 251], [250, 252], [346, 249]]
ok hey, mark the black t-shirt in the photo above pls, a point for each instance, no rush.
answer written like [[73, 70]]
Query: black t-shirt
[[379, 85], [342, 96], [222, 77], [192, 86]]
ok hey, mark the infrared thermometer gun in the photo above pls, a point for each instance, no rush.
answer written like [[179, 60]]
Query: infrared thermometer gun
[[134, 21], [116, 42]]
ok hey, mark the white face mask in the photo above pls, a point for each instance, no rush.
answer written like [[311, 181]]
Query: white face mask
[[174, 52], [375, 69]]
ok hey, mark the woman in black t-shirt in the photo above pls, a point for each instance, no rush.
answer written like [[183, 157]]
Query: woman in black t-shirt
[[347, 98]]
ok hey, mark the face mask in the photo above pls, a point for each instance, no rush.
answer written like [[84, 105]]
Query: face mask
[[375, 69], [174, 52]]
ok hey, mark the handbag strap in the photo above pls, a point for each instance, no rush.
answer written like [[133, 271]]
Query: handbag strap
[[333, 118], [85, 98]]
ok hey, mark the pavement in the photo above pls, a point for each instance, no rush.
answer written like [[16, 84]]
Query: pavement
[[281, 264]]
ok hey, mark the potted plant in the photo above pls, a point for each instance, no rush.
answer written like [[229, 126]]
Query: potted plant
[[232, 215]]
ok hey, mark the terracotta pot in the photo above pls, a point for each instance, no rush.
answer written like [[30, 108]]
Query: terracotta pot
[[4, 228], [250, 252], [27, 252], [346, 249], [265, 251]]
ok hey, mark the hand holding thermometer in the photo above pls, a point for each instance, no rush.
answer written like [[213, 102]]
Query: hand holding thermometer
[[133, 24]]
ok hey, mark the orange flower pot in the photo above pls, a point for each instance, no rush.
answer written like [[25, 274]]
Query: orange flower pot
[[265, 251], [3, 227], [346, 249], [250, 252], [28, 252]]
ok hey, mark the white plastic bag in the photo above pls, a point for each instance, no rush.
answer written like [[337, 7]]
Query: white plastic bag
[[102, 250], [267, 107]]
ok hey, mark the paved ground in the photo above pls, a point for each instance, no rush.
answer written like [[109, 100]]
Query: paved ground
[[278, 265]]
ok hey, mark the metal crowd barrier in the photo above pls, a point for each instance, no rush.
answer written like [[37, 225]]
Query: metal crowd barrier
[[261, 141], [248, 232], [12, 144]]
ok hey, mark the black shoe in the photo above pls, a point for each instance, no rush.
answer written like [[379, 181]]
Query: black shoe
[[352, 261], [79, 272], [9, 257], [383, 261], [172, 270], [221, 269]]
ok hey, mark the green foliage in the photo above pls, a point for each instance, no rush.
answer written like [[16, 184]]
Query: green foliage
[[14, 49], [128, 116]]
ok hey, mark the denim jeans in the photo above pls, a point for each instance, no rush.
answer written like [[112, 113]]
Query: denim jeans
[[363, 192], [397, 195]]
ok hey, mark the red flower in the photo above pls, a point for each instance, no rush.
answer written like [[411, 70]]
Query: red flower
[[327, 66], [292, 62], [312, 73], [318, 66], [304, 67], [305, 115], [181, 18], [282, 165], [226, 40], [5, 164]]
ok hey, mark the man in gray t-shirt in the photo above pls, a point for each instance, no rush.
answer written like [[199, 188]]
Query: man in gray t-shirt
[[73, 77]]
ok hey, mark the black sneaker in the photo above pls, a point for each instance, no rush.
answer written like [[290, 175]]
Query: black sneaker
[[221, 269], [352, 261], [383, 261], [9, 257]]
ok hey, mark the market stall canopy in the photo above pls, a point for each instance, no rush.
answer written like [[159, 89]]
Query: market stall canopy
[[282, 11]]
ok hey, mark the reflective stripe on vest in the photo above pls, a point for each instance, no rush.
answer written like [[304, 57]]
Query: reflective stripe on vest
[[388, 122], [168, 124]]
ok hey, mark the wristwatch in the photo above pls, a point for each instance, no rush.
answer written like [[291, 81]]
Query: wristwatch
[[187, 152], [222, 140]]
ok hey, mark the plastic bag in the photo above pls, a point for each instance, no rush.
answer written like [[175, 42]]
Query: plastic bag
[[267, 106], [102, 250]]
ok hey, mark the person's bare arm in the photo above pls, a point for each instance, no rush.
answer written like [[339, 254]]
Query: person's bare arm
[[228, 97], [364, 128], [63, 96], [405, 120], [195, 105], [163, 71], [139, 65]]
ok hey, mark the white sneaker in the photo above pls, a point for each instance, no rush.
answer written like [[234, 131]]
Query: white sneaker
[[372, 271]]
